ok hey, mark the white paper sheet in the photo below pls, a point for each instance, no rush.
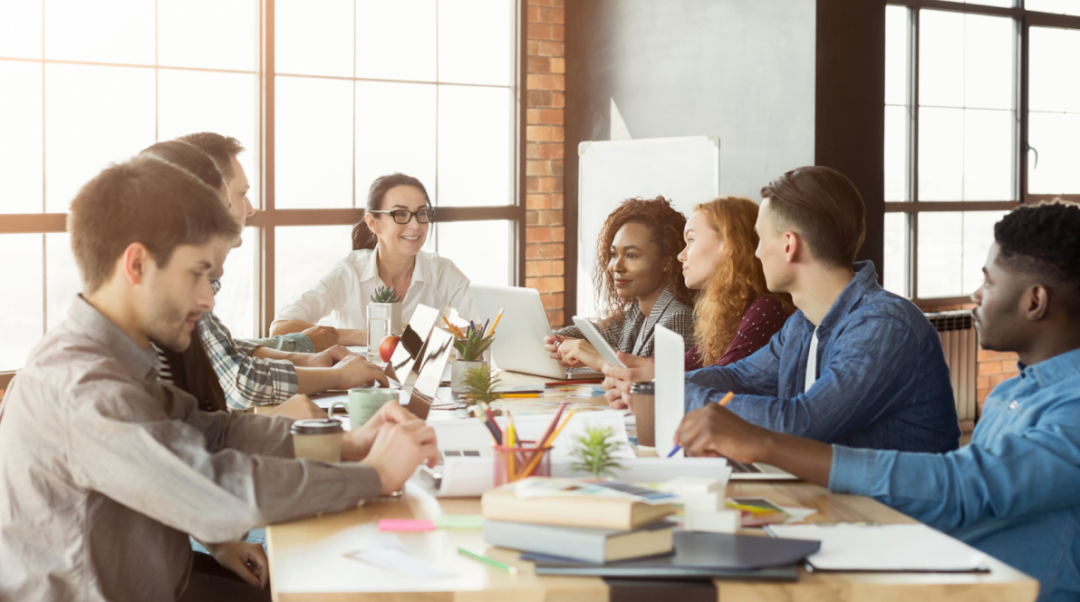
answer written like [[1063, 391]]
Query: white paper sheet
[[385, 550], [884, 548]]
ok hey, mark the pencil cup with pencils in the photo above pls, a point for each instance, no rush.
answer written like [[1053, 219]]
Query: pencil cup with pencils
[[526, 459]]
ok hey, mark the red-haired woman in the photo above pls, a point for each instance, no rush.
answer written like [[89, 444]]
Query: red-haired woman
[[638, 280], [735, 314]]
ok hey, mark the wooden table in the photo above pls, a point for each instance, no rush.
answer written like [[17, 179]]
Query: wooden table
[[307, 559]]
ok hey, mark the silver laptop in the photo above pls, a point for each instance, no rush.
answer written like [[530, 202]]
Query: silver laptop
[[420, 388], [412, 342], [671, 406], [519, 339]]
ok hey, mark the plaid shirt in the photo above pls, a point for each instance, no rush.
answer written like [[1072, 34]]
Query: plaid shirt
[[674, 315], [247, 380]]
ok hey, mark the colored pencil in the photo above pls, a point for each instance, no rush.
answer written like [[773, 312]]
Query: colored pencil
[[723, 402], [519, 395], [495, 434], [509, 569], [497, 318], [583, 381]]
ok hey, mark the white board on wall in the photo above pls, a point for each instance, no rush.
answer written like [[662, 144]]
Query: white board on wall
[[684, 170]]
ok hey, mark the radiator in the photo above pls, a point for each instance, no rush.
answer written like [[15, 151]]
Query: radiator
[[959, 341]]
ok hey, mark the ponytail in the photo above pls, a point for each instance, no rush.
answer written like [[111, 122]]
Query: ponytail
[[362, 236]]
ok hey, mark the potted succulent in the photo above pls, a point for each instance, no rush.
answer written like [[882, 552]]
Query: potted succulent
[[383, 319], [478, 384], [470, 355], [595, 450]]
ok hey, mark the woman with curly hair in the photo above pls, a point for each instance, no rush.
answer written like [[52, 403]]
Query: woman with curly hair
[[638, 280], [735, 314]]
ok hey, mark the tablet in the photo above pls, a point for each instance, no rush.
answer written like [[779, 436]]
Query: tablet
[[597, 340]]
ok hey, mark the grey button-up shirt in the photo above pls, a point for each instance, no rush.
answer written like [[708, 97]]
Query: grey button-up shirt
[[104, 471]]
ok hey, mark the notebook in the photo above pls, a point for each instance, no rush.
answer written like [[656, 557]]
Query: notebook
[[581, 544], [884, 548]]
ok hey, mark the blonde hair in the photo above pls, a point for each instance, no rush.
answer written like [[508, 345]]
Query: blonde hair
[[737, 281]]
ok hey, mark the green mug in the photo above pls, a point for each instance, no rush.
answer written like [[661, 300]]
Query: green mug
[[363, 403]]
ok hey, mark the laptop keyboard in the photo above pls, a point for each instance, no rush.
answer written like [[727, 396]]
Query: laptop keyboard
[[740, 467]]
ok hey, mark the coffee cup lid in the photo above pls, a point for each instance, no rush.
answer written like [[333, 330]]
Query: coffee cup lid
[[316, 426]]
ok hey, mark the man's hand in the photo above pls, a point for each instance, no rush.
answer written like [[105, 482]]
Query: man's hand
[[552, 344], [328, 357], [356, 371], [619, 380], [716, 431], [248, 560], [580, 352], [399, 449], [358, 442], [322, 337], [298, 407]]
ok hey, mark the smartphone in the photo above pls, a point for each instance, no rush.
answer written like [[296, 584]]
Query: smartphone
[[597, 340]]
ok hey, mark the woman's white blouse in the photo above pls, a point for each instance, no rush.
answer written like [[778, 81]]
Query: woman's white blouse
[[346, 290]]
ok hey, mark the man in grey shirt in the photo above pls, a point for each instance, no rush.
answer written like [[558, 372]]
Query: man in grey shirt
[[104, 470]]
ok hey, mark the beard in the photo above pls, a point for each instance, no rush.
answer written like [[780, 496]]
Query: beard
[[166, 324]]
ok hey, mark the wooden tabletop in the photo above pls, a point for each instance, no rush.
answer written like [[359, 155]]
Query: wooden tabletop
[[307, 560]]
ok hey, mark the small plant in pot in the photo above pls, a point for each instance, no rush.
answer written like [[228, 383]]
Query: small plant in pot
[[594, 452], [470, 351], [383, 319], [478, 384]]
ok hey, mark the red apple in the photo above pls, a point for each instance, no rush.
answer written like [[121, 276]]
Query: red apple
[[387, 346]]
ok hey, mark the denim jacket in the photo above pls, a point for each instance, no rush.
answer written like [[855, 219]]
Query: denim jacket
[[882, 380], [1013, 493]]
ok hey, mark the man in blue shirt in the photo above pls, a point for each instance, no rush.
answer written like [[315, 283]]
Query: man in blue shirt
[[1014, 492], [855, 365]]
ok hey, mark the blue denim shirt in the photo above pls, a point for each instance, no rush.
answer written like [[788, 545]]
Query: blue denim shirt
[[882, 380], [1013, 493]]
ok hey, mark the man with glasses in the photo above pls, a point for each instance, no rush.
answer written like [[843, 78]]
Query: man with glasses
[[387, 253]]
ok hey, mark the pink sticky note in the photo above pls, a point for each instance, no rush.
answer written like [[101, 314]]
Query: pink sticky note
[[404, 524]]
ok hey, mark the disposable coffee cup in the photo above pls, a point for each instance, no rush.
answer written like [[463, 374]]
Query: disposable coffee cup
[[363, 403], [317, 439], [643, 405]]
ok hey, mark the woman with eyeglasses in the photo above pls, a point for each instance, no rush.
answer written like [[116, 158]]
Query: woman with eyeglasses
[[387, 251]]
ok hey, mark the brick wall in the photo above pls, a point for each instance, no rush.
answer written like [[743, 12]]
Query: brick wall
[[544, 152], [993, 366]]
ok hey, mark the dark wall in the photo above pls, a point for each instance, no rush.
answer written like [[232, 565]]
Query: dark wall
[[783, 83]]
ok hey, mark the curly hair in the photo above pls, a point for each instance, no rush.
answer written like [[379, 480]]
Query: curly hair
[[738, 280], [666, 225], [1043, 239]]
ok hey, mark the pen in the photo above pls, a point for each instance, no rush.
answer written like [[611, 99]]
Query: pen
[[723, 402], [509, 569]]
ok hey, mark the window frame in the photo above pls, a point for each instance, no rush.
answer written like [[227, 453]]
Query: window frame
[[268, 218], [1023, 20]]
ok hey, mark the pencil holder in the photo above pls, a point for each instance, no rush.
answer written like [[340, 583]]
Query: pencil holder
[[521, 461]]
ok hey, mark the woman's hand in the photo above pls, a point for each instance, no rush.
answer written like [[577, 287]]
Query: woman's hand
[[552, 344], [298, 407], [579, 352], [248, 560], [358, 442], [619, 380]]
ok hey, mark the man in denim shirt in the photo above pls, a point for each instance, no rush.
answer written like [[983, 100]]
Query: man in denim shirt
[[1014, 492], [855, 365]]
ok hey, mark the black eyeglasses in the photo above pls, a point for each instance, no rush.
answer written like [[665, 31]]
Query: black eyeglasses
[[404, 216]]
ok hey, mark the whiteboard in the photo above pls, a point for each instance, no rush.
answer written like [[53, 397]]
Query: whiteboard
[[685, 170]]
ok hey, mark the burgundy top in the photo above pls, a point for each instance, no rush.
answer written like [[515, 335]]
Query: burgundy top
[[764, 318]]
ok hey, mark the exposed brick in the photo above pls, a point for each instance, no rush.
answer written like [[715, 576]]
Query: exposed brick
[[539, 64], [531, 185], [551, 116], [541, 98], [555, 318], [550, 151], [558, 233], [532, 116], [981, 396], [558, 268], [532, 218], [549, 301], [532, 151], [551, 184], [550, 48], [558, 134], [543, 31], [558, 100], [541, 167], [548, 284], [557, 168], [539, 2], [550, 218], [533, 14], [558, 3], [537, 201], [558, 32], [540, 133], [532, 47], [552, 15], [552, 250], [537, 234], [983, 382], [532, 252], [557, 65], [531, 269], [557, 200]]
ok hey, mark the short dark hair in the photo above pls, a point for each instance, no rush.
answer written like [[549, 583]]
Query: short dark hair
[[220, 148], [189, 157], [1042, 239], [362, 236], [824, 207], [143, 200]]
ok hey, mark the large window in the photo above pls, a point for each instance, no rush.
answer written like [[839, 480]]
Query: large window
[[982, 111], [325, 96]]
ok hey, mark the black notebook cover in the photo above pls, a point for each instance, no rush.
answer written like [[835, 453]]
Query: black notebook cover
[[698, 555]]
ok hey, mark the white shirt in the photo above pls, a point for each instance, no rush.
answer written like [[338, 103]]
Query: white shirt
[[346, 290], [811, 363]]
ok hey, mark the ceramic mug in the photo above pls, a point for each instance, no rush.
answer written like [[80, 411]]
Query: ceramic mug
[[363, 403]]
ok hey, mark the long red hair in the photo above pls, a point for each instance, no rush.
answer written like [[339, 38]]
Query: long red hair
[[738, 280], [666, 225]]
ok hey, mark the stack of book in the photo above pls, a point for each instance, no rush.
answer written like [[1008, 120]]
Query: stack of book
[[586, 523], [613, 529]]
